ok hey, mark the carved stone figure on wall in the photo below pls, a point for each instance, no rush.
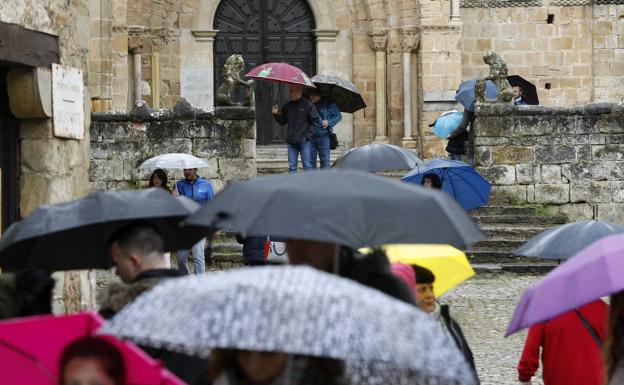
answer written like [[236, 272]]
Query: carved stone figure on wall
[[498, 75], [231, 80]]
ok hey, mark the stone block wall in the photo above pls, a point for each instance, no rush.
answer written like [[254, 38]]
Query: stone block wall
[[570, 159], [120, 142]]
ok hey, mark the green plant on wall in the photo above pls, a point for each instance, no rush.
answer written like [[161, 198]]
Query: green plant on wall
[[134, 183]]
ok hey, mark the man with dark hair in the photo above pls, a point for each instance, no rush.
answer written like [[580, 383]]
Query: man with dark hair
[[138, 253], [427, 302]]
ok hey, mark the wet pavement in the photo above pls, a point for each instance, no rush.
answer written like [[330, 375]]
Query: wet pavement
[[483, 306]]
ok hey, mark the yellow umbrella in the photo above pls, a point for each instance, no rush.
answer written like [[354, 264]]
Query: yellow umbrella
[[449, 265]]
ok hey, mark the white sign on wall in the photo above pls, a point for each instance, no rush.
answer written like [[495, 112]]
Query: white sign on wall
[[67, 102]]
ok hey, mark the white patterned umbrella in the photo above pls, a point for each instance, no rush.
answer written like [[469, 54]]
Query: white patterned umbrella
[[174, 161], [296, 310]]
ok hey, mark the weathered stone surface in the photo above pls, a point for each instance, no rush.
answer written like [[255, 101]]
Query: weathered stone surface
[[551, 174], [530, 125], [614, 139], [483, 156], [183, 110], [618, 191], [43, 155], [106, 169], [583, 153], [590, 191], [491, 141], [574, 171], [499, 175], [513, 154], [509, 194], [235, 113], [236, 169], [610, 212], [499, 126], [608, 170], [610, 124], [527, 173], [608, 152], [574, 212], [555, 154], [552, 193]]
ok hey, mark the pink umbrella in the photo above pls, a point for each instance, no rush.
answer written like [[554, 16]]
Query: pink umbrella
[[30, 350], [281, 73]]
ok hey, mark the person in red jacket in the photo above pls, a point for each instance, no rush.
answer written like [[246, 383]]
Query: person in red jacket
[[571, 353]]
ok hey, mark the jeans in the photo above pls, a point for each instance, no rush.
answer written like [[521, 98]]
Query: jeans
[[294, 150], [198, 258], [454, 156], [320, 145]]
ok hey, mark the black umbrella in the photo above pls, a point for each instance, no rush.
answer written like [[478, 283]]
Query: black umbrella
[[75, 234], [378, 157], [344, 93], [529, 92], [563, 242], [346, 207]]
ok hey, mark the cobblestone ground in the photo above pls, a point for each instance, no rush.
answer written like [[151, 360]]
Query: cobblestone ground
[[483, 306]]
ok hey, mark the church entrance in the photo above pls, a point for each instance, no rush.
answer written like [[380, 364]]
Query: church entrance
[[265, 31]]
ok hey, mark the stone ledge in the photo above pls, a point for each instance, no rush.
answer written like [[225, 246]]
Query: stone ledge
[[183, 110], [534, 3], [504, 109]]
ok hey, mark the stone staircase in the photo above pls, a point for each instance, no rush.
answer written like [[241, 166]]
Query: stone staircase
[[507, 229], [273, 159]]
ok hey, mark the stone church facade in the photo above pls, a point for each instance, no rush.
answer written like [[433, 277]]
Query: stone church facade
[[406, 56]]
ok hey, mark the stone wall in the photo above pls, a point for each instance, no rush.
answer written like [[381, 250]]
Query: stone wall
[[571, 159], [121, 141]]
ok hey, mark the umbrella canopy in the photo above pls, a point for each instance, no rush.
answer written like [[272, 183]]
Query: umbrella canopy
[[447, 123], [529, 91], [175, 161], [460, 180], [75, 234], [281, 73], [345, 207], [307, 311], [378, 157], [449, 265], [344, 93], [28, 360], [562, 242], [596, 271], [466, 93]]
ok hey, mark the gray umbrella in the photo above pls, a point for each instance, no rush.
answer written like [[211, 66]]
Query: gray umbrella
[[378, 157], [75, 234], [563, 242], [295, 310], [344, 93], [347, 207]]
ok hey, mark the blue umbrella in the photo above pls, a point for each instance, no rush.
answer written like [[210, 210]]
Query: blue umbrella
[[447, 123], [460, 180], [466, 93]]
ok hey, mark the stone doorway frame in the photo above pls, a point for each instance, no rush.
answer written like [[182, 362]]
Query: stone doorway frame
[[196, 53]]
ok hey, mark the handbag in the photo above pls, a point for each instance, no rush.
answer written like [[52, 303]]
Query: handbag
[[333, 141]]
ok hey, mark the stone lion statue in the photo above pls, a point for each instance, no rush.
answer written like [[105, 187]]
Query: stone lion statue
[[498, 75], [231, 80]]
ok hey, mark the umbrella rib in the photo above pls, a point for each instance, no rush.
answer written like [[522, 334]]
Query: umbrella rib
[[29, 357]]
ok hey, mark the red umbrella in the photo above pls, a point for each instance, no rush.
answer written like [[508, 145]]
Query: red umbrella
[[281, 73], [31, 349]]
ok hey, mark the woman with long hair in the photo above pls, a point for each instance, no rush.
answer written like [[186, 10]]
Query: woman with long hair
[[614, 346], [159, 179]]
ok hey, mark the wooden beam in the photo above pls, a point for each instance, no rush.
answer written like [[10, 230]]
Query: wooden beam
[[26, 47]]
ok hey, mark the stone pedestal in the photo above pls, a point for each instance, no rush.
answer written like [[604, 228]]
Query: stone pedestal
[[378, 42]]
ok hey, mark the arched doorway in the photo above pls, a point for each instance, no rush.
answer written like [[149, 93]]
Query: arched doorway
[[265, 31]]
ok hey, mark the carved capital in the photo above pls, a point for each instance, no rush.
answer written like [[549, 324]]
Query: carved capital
[[410, 40], [135, 38], [378, 40]]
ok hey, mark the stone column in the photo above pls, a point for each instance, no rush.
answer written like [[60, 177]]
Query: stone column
[[409, 43], [455, 16], [135, 46], [378, 42]]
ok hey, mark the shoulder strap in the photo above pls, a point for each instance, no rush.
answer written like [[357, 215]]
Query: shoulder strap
[[589, 328]]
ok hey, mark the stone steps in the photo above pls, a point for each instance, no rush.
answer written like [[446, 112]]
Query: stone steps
[[503, 210], [520, 219], [273, 159]]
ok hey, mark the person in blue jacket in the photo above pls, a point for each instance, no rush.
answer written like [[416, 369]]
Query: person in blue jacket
[[330, 116], [199, 190]]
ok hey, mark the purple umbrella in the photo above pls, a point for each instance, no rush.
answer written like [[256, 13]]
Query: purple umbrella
[[594, 272]]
